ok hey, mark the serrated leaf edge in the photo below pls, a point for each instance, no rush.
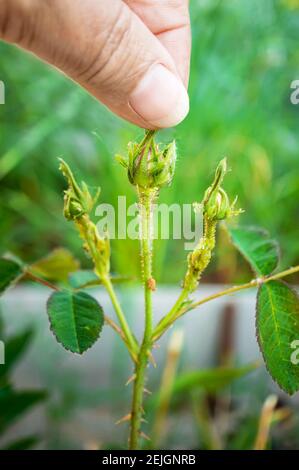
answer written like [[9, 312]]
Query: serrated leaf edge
[[80, 353], [261, 231], [288, 391]]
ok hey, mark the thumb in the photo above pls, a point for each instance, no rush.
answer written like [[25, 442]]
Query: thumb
[[106, 49]]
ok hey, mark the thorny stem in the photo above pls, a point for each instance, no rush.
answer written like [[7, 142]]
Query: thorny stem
[[146, 198], [178, 310], [216, 206], [198, 260]]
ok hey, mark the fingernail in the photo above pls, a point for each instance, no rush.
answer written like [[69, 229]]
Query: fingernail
[[160, 98]]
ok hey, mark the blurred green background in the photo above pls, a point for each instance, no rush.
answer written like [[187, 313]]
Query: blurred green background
[[245, 56]]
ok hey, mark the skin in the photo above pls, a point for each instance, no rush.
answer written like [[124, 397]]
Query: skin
[[107, 50]]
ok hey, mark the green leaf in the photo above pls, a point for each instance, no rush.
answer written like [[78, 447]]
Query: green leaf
[[255, 244], [14, 348], [56, 266], [277, 325], [9, 272], [24, 443], [76, 320], [87, 278], [210, 380], [14, 404]]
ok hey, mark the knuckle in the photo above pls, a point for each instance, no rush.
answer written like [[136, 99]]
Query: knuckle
[[111, 54], [5, 19], [17, 20]]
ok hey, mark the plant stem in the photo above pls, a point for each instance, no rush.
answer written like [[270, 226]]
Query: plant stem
[[145, 206], [253, 283], [39, 280], [99, 249], [168, 319], [128, 336], [179, 312], [198, 261], [115, 327]]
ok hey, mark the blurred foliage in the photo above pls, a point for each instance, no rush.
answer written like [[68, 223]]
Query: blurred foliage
[[245, 56], [15, 403]]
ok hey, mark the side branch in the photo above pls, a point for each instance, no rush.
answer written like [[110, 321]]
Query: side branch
[[176, 314]]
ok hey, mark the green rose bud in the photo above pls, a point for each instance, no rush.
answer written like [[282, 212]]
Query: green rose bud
[[216, 204], [77, 199], [149, 166]]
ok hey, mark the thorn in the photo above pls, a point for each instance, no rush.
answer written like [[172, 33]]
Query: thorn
[[152, 359], [147, 391], [124, 419], [156, 346], [145, 436], [143, 420], [130, 379]]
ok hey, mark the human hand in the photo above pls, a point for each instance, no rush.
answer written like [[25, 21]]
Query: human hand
[[132, 55]]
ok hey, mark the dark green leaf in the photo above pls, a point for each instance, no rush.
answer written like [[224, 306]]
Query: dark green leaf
[[9, 272], [24, 443], [277, 325], [14, 347], [261, 251], [76, 320], [14, 404], [210, 380], [56, 266]]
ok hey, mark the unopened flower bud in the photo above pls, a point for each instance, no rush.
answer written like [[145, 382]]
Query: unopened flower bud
[[149, 166], [216, 204], [77, 199]]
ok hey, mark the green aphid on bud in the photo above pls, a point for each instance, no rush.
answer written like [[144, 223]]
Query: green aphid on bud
[[77, 199], [149, 166], [72, 208], [216, 204]]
